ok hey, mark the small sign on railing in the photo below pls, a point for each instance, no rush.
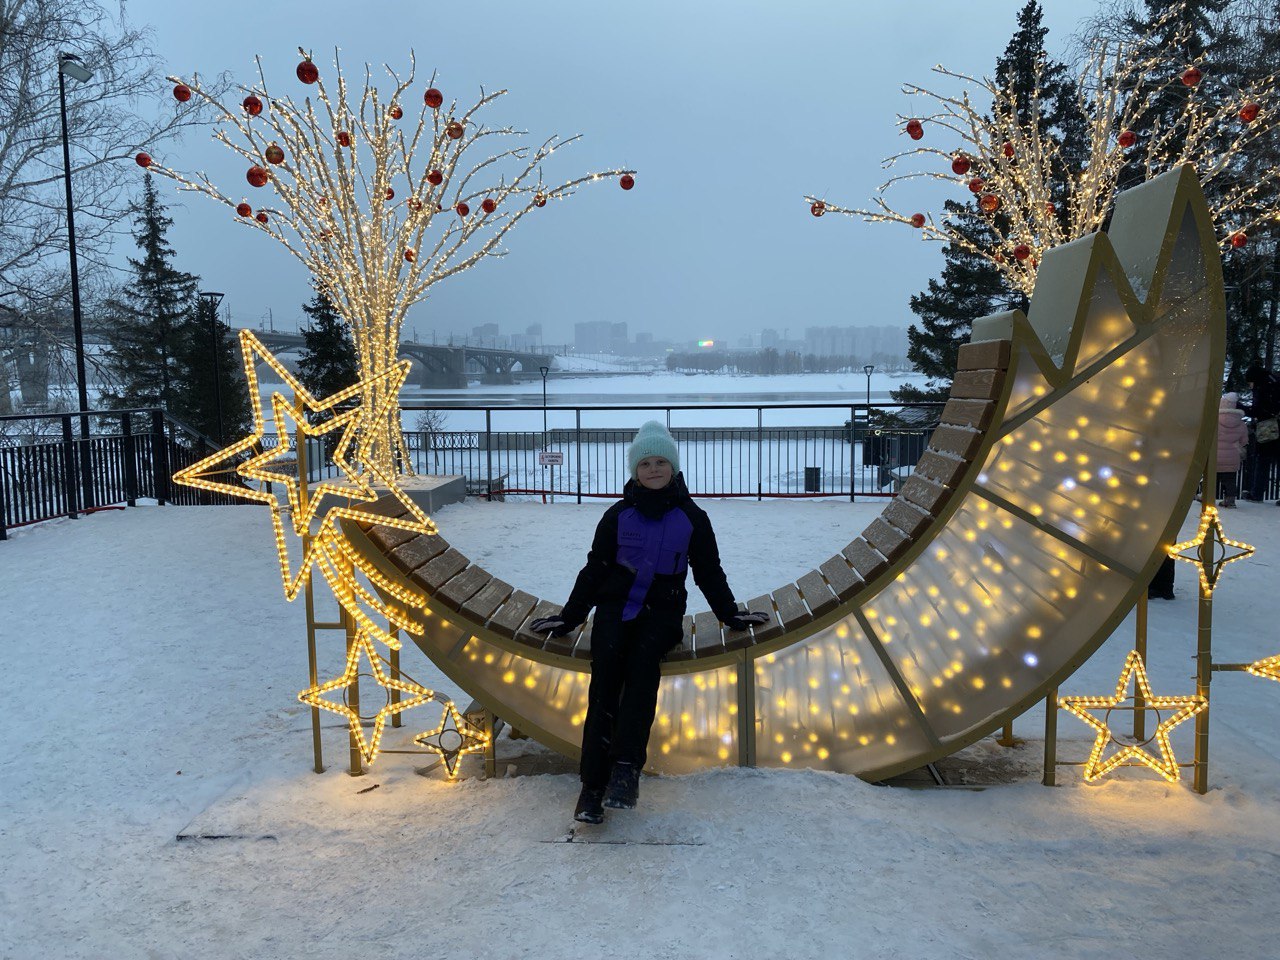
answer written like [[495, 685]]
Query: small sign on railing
[[550, 458]]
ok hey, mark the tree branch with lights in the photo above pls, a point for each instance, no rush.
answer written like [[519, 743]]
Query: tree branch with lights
[[376, 214], [1032, 198]]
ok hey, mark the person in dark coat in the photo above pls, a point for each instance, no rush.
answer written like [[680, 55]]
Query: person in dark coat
[[1262, 454], [635, 578]]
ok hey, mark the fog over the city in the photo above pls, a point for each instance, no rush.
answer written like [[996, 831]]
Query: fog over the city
[[730, 113]]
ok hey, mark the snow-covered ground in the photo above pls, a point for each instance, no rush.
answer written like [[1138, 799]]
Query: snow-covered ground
[[155, 671]]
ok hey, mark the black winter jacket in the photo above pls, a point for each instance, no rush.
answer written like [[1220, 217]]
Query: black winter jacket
[[642, 547]]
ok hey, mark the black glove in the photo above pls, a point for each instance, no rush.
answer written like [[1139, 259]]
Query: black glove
[[745, 619], [552, 626]]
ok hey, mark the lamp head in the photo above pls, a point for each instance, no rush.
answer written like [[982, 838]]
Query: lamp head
[[869, 369], [74, 67]]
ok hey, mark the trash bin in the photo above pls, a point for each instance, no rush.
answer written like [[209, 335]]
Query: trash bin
[[812, 479]]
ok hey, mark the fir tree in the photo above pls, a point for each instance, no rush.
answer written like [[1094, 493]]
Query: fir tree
[[149, 317], [222, 413], [328, 360], [971, 287]]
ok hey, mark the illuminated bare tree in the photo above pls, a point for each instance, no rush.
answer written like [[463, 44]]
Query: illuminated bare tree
[[1010, 160], [377, 202]]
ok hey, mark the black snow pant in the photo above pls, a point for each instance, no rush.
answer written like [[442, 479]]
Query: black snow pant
[[626, 658]]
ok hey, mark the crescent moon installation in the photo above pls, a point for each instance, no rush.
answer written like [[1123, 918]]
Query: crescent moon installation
[[1066, 459]]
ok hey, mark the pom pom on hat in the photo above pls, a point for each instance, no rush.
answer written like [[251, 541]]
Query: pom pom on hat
[[653, 440], [1229, 401]]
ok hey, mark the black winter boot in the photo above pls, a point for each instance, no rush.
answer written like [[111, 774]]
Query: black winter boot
[[624, 787], [589, 808]]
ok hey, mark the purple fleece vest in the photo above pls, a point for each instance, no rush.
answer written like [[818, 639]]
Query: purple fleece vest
[[651, 547]]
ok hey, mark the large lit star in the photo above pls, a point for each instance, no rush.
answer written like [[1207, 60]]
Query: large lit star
[[363, 647], [1210, 565], [1131, 754], [452, 739]]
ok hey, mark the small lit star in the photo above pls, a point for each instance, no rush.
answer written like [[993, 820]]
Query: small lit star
[[453, 738], [1210, 563]]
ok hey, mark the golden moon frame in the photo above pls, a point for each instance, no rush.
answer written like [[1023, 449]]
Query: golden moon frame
[[954, 612]]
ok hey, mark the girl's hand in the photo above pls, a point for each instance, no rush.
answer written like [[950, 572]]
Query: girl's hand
[[552, 626]]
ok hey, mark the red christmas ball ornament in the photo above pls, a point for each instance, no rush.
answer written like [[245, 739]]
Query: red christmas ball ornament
[[976, 185], [626, 181], [182, 93], [307, 71], [915, 129], [257, 176], [390, 194], [414, 204], [960, 164], [1239, 239], [435, 177], [1249, 112], [989, 202], [143, 160], [453, 130], [488, 205], [1021, 252], [462, 209], [410, 254], [252, 105], [433, 98], [395, 111], [1191, 76], [243, 209], [539, 199], [1050, 208], [1127, 138], [261, 217], [274, 154], [998, 257], [1008, 150], [344, 138], [818, 208], [917, 220], [322, 202]]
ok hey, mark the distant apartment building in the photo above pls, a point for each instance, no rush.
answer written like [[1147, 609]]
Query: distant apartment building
[[600, 336], [858, 342]]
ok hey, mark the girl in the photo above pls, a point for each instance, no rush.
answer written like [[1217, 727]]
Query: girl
[[634, 577]]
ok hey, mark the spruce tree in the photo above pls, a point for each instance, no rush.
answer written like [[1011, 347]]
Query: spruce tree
[[222, 413], [149, 317], [327, 362], [971, 287]]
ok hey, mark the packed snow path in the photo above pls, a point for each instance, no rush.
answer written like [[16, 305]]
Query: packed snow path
[[158, 695]]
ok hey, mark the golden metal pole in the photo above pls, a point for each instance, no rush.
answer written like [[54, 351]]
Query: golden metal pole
[[395, 675], [1050, 778], [1140, 644], [1204, 627], [353, 689], [310, 602], [1007, 739]]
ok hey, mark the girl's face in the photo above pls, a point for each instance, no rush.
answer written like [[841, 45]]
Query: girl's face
[[654, 473]]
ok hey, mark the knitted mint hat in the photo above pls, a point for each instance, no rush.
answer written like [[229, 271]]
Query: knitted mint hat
[[653, 440]]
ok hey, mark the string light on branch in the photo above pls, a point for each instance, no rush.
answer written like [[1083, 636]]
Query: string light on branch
[[1009, 136], [1171, 712]]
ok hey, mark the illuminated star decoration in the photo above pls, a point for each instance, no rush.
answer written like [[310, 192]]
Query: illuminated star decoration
[[1210, 532], [1131, 754], [1268, 668], [363, 645], [453, 738]]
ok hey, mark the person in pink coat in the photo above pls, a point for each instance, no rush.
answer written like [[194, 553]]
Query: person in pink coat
[[1233, 437]]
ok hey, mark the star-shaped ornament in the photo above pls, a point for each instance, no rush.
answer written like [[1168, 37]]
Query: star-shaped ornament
[[1208, 550], [1170, 710], [452, 739], [363, 647]]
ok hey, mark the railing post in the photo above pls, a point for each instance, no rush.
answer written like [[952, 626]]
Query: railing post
[[577, 448], [4, 500], [759, 453], [159, 458], [488, 452], [69, 471], [853, 433], [130, 464], [86, 465]]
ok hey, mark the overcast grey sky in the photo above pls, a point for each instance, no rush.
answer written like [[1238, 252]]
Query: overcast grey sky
[[730, 112]]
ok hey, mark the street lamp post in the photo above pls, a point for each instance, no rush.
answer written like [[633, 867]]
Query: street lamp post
[[212, 300], [69, 65]]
